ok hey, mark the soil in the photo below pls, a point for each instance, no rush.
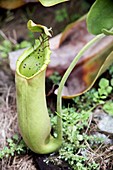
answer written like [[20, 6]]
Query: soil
[[13, 25]]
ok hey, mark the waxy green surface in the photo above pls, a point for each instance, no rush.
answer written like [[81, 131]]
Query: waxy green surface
[[100, 17]]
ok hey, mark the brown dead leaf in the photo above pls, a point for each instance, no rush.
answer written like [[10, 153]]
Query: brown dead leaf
[[12, 4], [84, 76]]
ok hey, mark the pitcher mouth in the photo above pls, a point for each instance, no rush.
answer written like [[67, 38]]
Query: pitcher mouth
[[35, 59]]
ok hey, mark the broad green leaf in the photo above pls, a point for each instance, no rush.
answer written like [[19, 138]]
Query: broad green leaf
[[100, 17], [51, 2]]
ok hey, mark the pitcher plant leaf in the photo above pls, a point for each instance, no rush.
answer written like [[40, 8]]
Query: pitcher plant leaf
[[100, 16]]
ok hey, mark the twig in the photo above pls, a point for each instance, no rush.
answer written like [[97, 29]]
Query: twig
[[3, 35]]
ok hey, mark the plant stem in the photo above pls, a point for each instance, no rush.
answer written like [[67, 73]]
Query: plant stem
[[66, 75]]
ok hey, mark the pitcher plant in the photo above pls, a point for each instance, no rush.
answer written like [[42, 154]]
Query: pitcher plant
[[33, 118]]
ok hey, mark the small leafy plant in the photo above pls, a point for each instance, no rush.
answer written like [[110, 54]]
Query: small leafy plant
[[13, 146], [94, 97], [103, 91], [7, 46], [75, 148]]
